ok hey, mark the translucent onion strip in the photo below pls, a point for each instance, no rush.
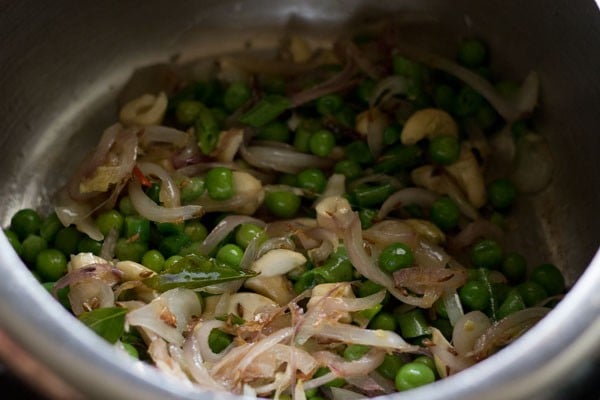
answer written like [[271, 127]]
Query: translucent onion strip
[[147, 208]]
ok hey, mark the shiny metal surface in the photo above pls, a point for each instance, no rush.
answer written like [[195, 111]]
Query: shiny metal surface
[[62, 64]]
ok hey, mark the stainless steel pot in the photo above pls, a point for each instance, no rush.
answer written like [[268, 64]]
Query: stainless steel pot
[[63, 62]]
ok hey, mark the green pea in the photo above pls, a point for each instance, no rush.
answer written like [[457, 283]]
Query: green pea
[[346, 117], [445, 213], [154, 192], [359, 152], [367, 216], [169, 262], [550, 278], [337, 268], [475, 295], [321, 143], [514, 267], [444, 97], [236, 95], [126, 206], [467, 102], [329, 104], [501, 193], [384, 321], [275, 131], [302, 140], [312, 179], [51, 264], [282, 203], [219, 183], [219, 340], [354, 352], [13, 239], [396, 256], [408, 68], [230, 254], [50, 227], [154, 260], [248, 232], [390, 366], [67, 239], [170, 228], [486, 253], [368, 288], [532, 293], [307, 280], [195, 230], [136, 228], [109, 220], [130, 250], [413, 375], [187, 111], [350, 169], [191, 189], [25, 222], [171, 245], [412, 324], [444, 149], [311, 393], [370, 313], [513, 303], [472, 53], [426, 361], [32, 245], [132, 351], [444, 326], [89, 245], [337, 382], [440, 308]]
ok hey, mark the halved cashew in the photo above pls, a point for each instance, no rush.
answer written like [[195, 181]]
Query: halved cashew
[[133, 271], [278, 262], [366, 120], [468, 175], [427, 229], [146, 110], [250, 189], [277, 288], [342, 289], [429, 178], [242, 304], [428, 122], [82, 260], [229, 143]]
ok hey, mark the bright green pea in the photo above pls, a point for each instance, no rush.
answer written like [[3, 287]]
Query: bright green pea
[[384, 321], [532, 293], [321, 143], [230, 254], [136, 228], [413, 375], [412, 323], [67, 240], [390, 366], [50, 227], [109, 220], [248, 232], [550, 278], [170, 228], [219, 183], [329, 104], [444, 149], [312, 179], [89, 245], [25, 222], [191, 189], [219, 340], [472, 53], [350, 169], [513, 303], [514, 267], [486, 253], [169, 262], [396, 256], [475, 295], [282, 203], [501, 193], [130, 250], [126, 206], [354, 352], [13, 239], [154, 260], [337, 268], [187, 111], [275, 131], [32, 246], [195, 230], [51, 264], [236, 95], [445, 213]]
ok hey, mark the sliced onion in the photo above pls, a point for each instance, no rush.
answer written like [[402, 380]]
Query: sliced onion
[[453, 305], [533, 166], [387, 88], [169, 192], [468, 329], [224, 228], [320, 381], [76, 213], [341, 367], [90, 294], [98, 271], [408, 196], [480, 228], [386, 232], [344, 80], [447, 361], [195, 365], [201, 333], [107, 251], [168, 315], [506, 330], [348, 304], [159, 353], [282, 160], [164, 134], [150, 210]]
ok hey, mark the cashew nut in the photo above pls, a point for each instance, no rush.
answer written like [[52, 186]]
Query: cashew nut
[[244, 305], [277, 288], [428, 122], [367, 118], [146, 110], [467, 173], [133, 271], [342, 289], [278, 262], [427, 230]]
